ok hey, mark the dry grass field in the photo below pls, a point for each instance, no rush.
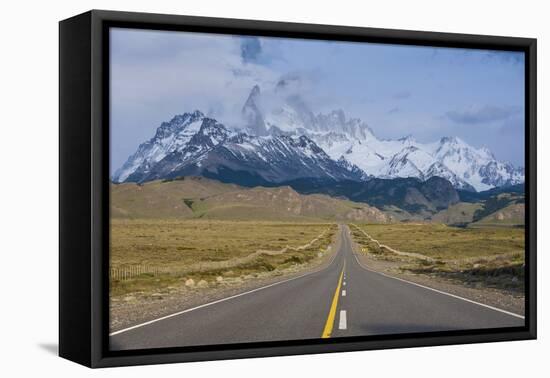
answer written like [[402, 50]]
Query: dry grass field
[[481, 256], [209, 250]]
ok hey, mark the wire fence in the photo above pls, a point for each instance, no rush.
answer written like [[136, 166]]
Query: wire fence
[[125, 272], [122, 273]]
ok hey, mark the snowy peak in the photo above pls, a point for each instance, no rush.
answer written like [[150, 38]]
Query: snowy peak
[[169, 136], [177, 124], [403, 164], [408, 140], [336, 122], [206, 147], [210, 134], [475, 167]]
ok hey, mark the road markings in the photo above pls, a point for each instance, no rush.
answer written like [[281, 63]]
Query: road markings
[[332, 312], [343, 293], [344, 283], [440, 292], [223, 299], [343, 321]]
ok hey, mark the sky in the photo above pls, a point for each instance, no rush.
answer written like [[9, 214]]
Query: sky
[[426, 92]]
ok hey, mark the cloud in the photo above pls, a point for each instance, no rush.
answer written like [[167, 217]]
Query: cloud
[[156, 74], [191, 71], [402, 95], [201, 72], [251, 49], [483, 114], [296, 82]]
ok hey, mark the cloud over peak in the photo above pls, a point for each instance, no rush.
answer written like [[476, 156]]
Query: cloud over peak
[[251, 49]]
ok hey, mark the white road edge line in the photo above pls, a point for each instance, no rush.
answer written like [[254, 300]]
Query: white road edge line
[[343, 321], [343, 293], [439, 291], [220, 300]]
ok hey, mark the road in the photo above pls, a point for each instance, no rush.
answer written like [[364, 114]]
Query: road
[[344, 299]]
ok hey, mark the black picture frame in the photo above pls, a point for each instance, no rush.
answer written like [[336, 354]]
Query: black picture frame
[[84, 187]]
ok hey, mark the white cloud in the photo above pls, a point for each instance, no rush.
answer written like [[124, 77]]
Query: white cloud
[[155, 75]]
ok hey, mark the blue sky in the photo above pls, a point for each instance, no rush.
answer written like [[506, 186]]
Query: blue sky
[[426, 92]]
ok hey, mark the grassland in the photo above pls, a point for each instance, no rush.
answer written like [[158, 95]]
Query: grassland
[[209, 251], [481, 256]]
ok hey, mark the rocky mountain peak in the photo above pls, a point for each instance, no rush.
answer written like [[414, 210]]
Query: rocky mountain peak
[[252, 114], [177, 123]]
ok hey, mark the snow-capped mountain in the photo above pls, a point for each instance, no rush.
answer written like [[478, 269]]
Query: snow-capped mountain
[[193, 144], [282, 139], [169, 137], [353, 141]]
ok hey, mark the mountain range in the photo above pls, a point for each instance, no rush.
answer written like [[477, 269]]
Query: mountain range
[[282, 140], [195, 145]]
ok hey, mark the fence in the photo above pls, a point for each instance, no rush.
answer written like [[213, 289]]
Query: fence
[[126, 272]]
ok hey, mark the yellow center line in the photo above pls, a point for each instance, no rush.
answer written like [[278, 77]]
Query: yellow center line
[[332, 312]]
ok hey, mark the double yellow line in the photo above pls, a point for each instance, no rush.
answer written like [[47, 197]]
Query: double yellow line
[[332, 312]]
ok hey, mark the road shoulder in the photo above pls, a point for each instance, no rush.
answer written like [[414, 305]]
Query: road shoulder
[[506, 300]]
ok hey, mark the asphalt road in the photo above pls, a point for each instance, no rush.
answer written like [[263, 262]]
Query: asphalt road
[[344, 299]]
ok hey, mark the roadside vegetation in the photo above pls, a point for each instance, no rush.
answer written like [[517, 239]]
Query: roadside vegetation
[[163, 254], [479, 257]]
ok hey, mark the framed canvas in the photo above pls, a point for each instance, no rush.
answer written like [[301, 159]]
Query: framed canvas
[[234, 188]]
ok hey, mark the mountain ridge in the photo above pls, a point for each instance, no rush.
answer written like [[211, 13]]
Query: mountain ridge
[[467, 167], [291, 142], [198, 145]]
